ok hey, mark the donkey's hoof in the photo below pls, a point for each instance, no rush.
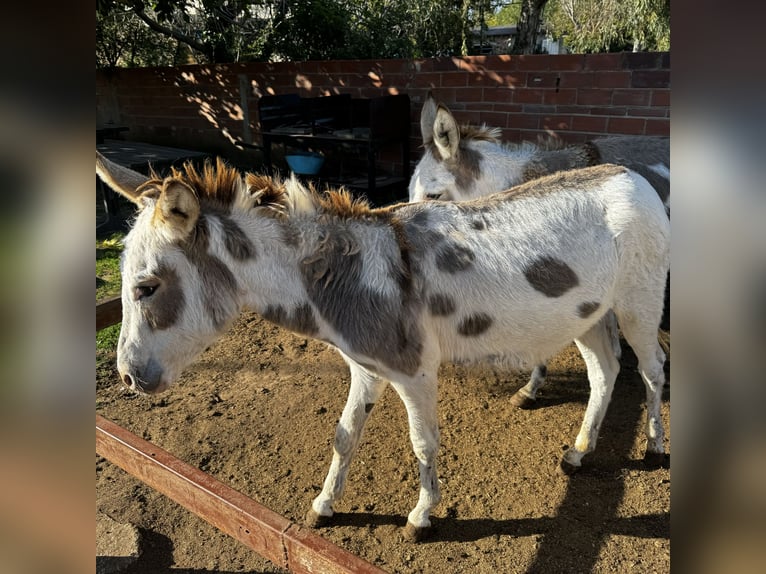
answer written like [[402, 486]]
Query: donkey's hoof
[[656, 460], [522, 401], [412, 533], [567, 468], [314, 520]]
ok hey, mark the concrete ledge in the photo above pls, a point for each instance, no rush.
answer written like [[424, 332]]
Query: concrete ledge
[[117, 545]]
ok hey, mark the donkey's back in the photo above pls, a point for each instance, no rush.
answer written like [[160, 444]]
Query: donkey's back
[[518, 275]]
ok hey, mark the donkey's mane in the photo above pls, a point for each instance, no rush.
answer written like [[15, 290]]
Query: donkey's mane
[[493, 135], [480, 133], [220, 186]]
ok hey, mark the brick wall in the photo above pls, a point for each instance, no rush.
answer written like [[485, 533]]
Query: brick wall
[[574, 97]]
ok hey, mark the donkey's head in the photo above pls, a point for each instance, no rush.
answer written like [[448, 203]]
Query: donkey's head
[[177, 295], [459, 162]]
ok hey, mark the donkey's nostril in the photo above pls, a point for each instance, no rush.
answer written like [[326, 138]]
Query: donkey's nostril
[[127, 380]]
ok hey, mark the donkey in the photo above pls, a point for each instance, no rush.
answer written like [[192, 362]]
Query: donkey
[[464, 162], [512, 277]]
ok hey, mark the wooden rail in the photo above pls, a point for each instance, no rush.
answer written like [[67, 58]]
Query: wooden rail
[[271, 535]]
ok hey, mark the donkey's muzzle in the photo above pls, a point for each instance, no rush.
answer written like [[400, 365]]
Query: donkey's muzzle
[[144, 380]]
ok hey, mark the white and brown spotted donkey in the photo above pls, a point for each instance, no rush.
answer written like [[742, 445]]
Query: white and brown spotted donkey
[[397, 291], [463, 162]]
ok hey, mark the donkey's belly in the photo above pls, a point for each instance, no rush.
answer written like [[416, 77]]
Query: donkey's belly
[[519, 338]]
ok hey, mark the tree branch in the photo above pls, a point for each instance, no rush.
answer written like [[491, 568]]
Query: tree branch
[[173, 33]]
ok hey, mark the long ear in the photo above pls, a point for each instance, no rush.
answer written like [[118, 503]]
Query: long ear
[[121, 179], [177, 209], [446, 133], [427, 117]]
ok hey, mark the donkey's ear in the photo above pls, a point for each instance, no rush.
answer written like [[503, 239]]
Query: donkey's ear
[[427, 117], [446, 133], [177, 209], [121, 179]]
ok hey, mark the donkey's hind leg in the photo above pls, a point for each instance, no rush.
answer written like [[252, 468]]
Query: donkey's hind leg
[[364, 392], [597, 351], [643, 339], [526, 396]]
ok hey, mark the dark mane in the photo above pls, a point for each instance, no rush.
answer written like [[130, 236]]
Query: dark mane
[[217, 185], [341, 203], [479, 133]]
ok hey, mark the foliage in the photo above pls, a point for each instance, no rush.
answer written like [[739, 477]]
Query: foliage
[[611, 25], [244, 30], [171, 32], [507, 14], [123, 40], [108, 283]]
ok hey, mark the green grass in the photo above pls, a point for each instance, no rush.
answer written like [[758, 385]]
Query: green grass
[[108, 284]]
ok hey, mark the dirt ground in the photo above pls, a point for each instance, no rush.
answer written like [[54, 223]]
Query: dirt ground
[[258, 412]]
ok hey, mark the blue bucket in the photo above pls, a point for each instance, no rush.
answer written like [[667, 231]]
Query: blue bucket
[[307, 163]]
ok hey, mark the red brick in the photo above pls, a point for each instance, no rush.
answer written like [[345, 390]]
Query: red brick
[[542, 79], [647, 112], [643, 60], [565, 96], [567, 62], [603, 61], [494, 119], [658, 127], [556, 122], [507, 108], [661, 97], [612, 79], [631, 97], [469, 94], [467, 116], [511, 135], [501, 81], [589, 124], [539, 109], [608, 111], [523, 121], [576, 80], [454, 79], [502, 63], [425, 80], [528, 96], [651, 79], [536, 62], [499, 94], [593, 97], [626, 126], [443, 64]]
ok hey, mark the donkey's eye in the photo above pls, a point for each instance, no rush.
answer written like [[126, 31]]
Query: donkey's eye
[[143, 291], [434, 195]]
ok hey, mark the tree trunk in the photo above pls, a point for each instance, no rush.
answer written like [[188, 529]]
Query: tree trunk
[[529, 23]]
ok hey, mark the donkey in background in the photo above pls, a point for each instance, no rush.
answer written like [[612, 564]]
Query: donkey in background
[[465, 162], [513, 276]]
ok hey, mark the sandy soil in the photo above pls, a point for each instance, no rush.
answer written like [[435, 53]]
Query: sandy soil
[[258, 412]]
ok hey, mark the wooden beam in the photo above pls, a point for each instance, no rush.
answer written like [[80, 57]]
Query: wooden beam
[[271, 535], [108, 312]]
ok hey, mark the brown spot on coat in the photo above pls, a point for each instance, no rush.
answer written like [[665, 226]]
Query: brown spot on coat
[[237, 243], [301, 320], [441, 305], [551, 277], [585, 310], [218, 284], [163, 309], [474, 325], [453, 257]]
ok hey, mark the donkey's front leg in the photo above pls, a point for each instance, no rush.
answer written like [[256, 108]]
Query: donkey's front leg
[[364, 392], [419, 395]]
